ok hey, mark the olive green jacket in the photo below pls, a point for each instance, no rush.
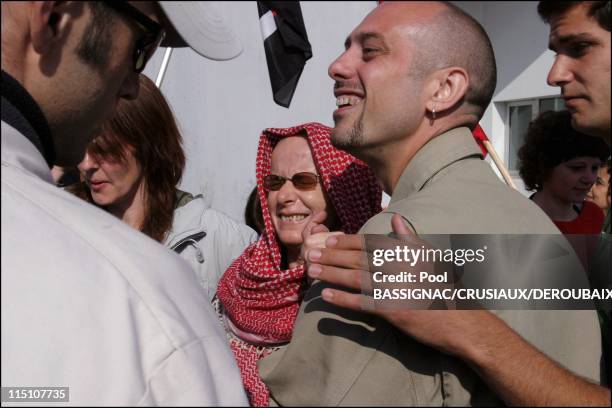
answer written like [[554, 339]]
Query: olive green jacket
[[341, 357]]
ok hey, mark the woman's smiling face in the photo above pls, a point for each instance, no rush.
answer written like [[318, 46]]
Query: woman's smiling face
[[290, 208]]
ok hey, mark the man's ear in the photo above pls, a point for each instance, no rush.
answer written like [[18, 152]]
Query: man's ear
[[447, 87], [48, 21]]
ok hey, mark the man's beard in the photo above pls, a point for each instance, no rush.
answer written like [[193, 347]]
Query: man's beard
[[352, 140]]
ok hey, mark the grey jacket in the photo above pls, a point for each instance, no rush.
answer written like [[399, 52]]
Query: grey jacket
[[207, 239]]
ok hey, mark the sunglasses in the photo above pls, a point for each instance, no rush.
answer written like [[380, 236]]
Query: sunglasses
[[301, 181], [146, 45]]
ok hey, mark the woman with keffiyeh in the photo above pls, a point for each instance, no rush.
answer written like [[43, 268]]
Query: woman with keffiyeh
[[299, 173]]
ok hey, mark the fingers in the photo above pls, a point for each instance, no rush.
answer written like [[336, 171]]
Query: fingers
[[347, 259], [399, 225], [354, 301], [315, 241], [319, 228], [318, 240], [317, 219], [404, 231], [350, 242], [349, 278]]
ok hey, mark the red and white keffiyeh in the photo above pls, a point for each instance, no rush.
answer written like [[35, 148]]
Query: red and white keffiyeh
[[261, 300]]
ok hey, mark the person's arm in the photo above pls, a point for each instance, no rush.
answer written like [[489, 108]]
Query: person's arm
[[516, 371], [208, 376], [522, 375]]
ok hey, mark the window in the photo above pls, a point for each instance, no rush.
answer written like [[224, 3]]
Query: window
[[551, 104], [519, 114]]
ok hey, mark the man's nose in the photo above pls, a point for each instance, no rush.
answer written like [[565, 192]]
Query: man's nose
[[342, 67], [560, 73], [590, 176]]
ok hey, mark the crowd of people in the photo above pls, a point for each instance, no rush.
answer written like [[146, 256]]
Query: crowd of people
[[132, 168], [561, 165], [96, 297]]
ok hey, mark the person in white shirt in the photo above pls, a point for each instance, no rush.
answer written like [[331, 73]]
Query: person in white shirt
[[88, 302]]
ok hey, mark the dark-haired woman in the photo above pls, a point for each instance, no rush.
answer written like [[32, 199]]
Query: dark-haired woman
[[561, 164]]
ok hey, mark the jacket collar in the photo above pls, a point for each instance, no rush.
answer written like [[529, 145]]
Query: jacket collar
[[188, 218], [19, 153], [22, 112], [438, 153]]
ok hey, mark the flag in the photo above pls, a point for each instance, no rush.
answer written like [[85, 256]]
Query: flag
[[480, 137], [487, 147], [286, 45]]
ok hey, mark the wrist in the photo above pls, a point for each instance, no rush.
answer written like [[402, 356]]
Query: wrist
[[482, 349]]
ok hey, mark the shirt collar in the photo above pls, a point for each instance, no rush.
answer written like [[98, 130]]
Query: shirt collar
[[23, 113], [438, 153]]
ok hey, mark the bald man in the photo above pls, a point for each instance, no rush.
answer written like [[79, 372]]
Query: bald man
[[413, 80]]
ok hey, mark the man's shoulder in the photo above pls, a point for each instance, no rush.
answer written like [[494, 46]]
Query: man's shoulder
[[37, 214], [80, 220], [79, 284], [467, 197]]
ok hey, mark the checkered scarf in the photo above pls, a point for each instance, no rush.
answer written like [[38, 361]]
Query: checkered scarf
[[260, 299]]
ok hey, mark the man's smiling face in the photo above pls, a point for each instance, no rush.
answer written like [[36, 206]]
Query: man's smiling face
[[378, 96]]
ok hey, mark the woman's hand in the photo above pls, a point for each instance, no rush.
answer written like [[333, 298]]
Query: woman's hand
[[314, 236]]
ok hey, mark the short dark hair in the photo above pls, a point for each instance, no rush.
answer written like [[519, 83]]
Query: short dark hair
[[600, 10], [457, 39], [96, 43], [550, 141]]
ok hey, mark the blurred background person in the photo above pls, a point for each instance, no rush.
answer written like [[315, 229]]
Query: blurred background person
[[252, 212], [132, 169], [299, 174], [561, 164], [600, 192]]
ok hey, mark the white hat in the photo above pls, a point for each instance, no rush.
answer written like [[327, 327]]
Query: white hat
[[202, 28]]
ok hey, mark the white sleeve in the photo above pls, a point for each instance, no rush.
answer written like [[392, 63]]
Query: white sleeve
[[203, 373], [233, 238], [226, 240]]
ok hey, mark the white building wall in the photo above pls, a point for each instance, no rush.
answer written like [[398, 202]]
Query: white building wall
[[222, 107], [520, 42]]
